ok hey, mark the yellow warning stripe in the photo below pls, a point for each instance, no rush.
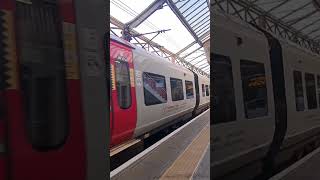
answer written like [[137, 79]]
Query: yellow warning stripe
[[131, 77], [10, 49], [185, 165], [113, 79], [70, 51]]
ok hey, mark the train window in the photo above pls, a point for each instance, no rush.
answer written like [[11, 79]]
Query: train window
[[154, 87], [224, 106], [123, 84], [318, 90], [254, 89], [176, 89], [43, 78], [207, 90], [189, 89], [203, 91], [311, 90], [298, 88]]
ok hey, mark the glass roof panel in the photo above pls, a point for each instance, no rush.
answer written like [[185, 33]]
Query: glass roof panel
[[302, 15]]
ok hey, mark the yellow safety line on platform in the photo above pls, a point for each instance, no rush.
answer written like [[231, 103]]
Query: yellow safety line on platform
[[185, 165]]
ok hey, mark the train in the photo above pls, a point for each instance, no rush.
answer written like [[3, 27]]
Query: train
[[266, 100], [53, 101], [149, 93]]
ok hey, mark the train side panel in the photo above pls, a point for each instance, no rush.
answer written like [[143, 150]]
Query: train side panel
[[242, 130], [154, 97], [303, 124]]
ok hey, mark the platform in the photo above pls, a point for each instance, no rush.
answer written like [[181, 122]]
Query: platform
[[183, 154], [306, 168]]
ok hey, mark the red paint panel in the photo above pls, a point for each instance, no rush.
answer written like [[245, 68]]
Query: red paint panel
[[67, 11], [123, 121], [3, 170], [64, 164], [6, 4], [3, 155]]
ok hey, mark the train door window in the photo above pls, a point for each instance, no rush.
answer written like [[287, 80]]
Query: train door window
[[203, 91], [207, 90], [298, 88], [176, 89], [254, 89], [224, 106], [189, 89], [123, 84], [311, 90], [43, 79], [154, 87], [318, 88]]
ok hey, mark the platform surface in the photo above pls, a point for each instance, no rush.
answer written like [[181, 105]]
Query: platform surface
[[186, 166], [308, 168], [183, 154]]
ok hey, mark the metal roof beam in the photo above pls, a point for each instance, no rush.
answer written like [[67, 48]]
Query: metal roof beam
[[201, 67], [313, 31], [206, 68], [191, 52], [278, 6], [247, 7], [316, 37], [185, 3], [280, 27], [153, 7], [185, 48], [302, 18], [189, 7], [195, 9], [295, 10], [304, 27], [153, 45], [198, 57], [200, 62], [183, 20]]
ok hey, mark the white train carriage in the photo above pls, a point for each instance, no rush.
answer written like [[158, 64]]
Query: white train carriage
[[266, 101]]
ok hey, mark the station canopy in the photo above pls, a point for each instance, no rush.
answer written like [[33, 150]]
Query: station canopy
[[302, 15], [181, 29], [295, 20]]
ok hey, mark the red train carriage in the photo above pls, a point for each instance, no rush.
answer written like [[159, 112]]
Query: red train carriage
[[43, 131]]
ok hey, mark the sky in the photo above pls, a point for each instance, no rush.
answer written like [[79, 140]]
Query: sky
[[174, 40]]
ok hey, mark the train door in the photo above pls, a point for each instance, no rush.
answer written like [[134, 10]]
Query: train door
[[124, 107], [45, 128], [196, 81]]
